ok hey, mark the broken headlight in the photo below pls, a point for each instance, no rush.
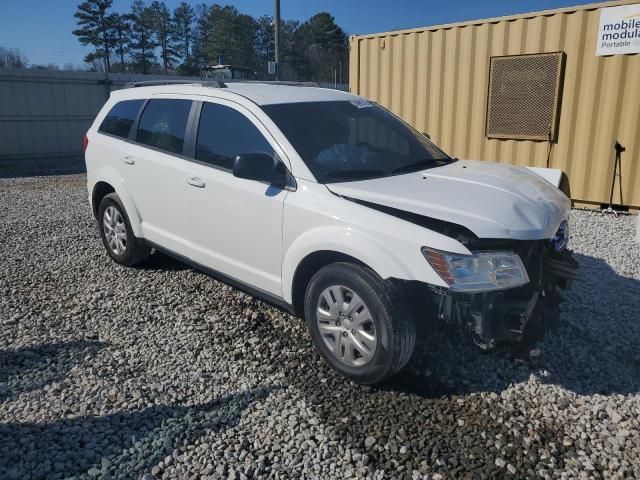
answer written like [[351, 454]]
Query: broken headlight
[[479, 272]]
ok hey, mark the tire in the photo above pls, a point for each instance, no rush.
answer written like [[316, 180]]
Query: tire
[[384, 317], [126, 249]]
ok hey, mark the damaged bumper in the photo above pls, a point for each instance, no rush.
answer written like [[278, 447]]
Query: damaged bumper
[[516, 314]]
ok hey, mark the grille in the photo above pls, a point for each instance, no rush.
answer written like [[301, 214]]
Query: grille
[[524, 96]]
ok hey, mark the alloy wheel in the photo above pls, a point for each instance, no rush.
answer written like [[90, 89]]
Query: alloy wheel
[[346, 325], [115, 230]]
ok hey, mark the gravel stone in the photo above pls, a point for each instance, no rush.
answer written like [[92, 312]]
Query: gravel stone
[[159, 371]]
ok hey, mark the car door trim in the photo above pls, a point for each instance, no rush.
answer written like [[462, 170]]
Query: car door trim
[[234, 282], [134, 127], [189, 149]]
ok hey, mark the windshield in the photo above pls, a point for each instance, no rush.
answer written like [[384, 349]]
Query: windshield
[[353, 140]]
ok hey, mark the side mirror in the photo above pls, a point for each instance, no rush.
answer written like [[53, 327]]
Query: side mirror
[[260, 167], [427, 135]]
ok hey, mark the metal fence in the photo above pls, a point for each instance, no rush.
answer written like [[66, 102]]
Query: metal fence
[[44, 115]]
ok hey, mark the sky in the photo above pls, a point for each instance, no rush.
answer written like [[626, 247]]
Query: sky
[[41, 29]]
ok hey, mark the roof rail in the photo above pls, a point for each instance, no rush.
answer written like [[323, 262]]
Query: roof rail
[[215, 83], [274, 82], [155, 83]]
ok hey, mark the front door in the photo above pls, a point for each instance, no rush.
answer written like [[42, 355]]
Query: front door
[[235, 224]]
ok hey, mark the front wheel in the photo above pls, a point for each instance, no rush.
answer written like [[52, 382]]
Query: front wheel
[[358, 322]]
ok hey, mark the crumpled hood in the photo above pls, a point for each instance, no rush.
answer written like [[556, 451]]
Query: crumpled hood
[[492, 200]]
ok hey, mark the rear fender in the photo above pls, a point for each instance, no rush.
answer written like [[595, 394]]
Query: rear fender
[[111, 176]]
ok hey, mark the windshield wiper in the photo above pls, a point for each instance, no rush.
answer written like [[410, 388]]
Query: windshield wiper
[[415, 166], [353, 174]]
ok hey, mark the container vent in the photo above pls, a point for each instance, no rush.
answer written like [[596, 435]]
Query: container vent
[[524, 96]]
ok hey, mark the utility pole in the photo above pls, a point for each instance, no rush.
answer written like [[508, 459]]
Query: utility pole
[[277, 38]]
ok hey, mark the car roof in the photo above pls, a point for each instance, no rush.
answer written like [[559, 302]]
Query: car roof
[[260, 93], [265, 94]]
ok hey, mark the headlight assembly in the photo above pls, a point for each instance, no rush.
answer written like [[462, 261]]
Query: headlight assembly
[[479, 272]]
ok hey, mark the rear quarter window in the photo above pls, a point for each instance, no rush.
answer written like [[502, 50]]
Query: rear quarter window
[[120, 118]]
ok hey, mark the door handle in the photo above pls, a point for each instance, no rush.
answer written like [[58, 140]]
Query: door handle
[[195, 182], [127, 159]]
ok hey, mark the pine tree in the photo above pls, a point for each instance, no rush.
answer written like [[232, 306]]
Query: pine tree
[[203, 28], [161, 21], [121, 33], [142, 38], [229, 34], [320, 46], [182, 34], [264, 44], [94, 30], [193, 37]]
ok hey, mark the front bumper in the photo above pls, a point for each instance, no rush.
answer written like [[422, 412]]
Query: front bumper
[[518, 313]]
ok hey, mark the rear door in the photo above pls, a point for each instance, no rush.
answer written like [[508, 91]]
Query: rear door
[[156, 170], [235, 224], [112, 145]]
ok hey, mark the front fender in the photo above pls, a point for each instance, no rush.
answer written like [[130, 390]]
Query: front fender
[[342, 239]]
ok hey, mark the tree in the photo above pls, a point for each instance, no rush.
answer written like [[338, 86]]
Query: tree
[[320, 47], [12, 58], [265, 46], [203, 26], [264, 42], [218, 42], [120, 27], [192, 37], [182, 33], [288, 29], [72, 67], [161, 22], [244, 40], [94, 30], [49, 66], [227, 34], [94, 66], [142, 43]]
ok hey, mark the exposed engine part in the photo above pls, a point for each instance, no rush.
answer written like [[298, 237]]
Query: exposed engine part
[[520, 314]]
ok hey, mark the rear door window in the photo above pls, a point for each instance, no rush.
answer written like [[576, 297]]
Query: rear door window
[[120, 118], [224, 133], [163, 124]]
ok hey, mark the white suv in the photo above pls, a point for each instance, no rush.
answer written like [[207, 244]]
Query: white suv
[[332, 206]]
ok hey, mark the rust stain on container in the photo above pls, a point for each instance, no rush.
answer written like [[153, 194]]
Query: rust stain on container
[[437, 79]]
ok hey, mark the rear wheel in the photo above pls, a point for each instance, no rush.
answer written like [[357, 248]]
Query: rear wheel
[[117, 235], [358, 322]]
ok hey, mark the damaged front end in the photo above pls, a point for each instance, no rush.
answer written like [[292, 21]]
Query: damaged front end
[[513, 314], [522, 313]]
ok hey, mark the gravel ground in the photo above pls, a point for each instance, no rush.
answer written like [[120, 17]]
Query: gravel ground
[[161, 372]]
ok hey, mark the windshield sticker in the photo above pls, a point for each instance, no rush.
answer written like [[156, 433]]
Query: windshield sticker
[[361, 103]]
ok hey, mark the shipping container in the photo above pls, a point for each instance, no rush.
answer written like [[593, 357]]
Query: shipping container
[[525, 89]]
